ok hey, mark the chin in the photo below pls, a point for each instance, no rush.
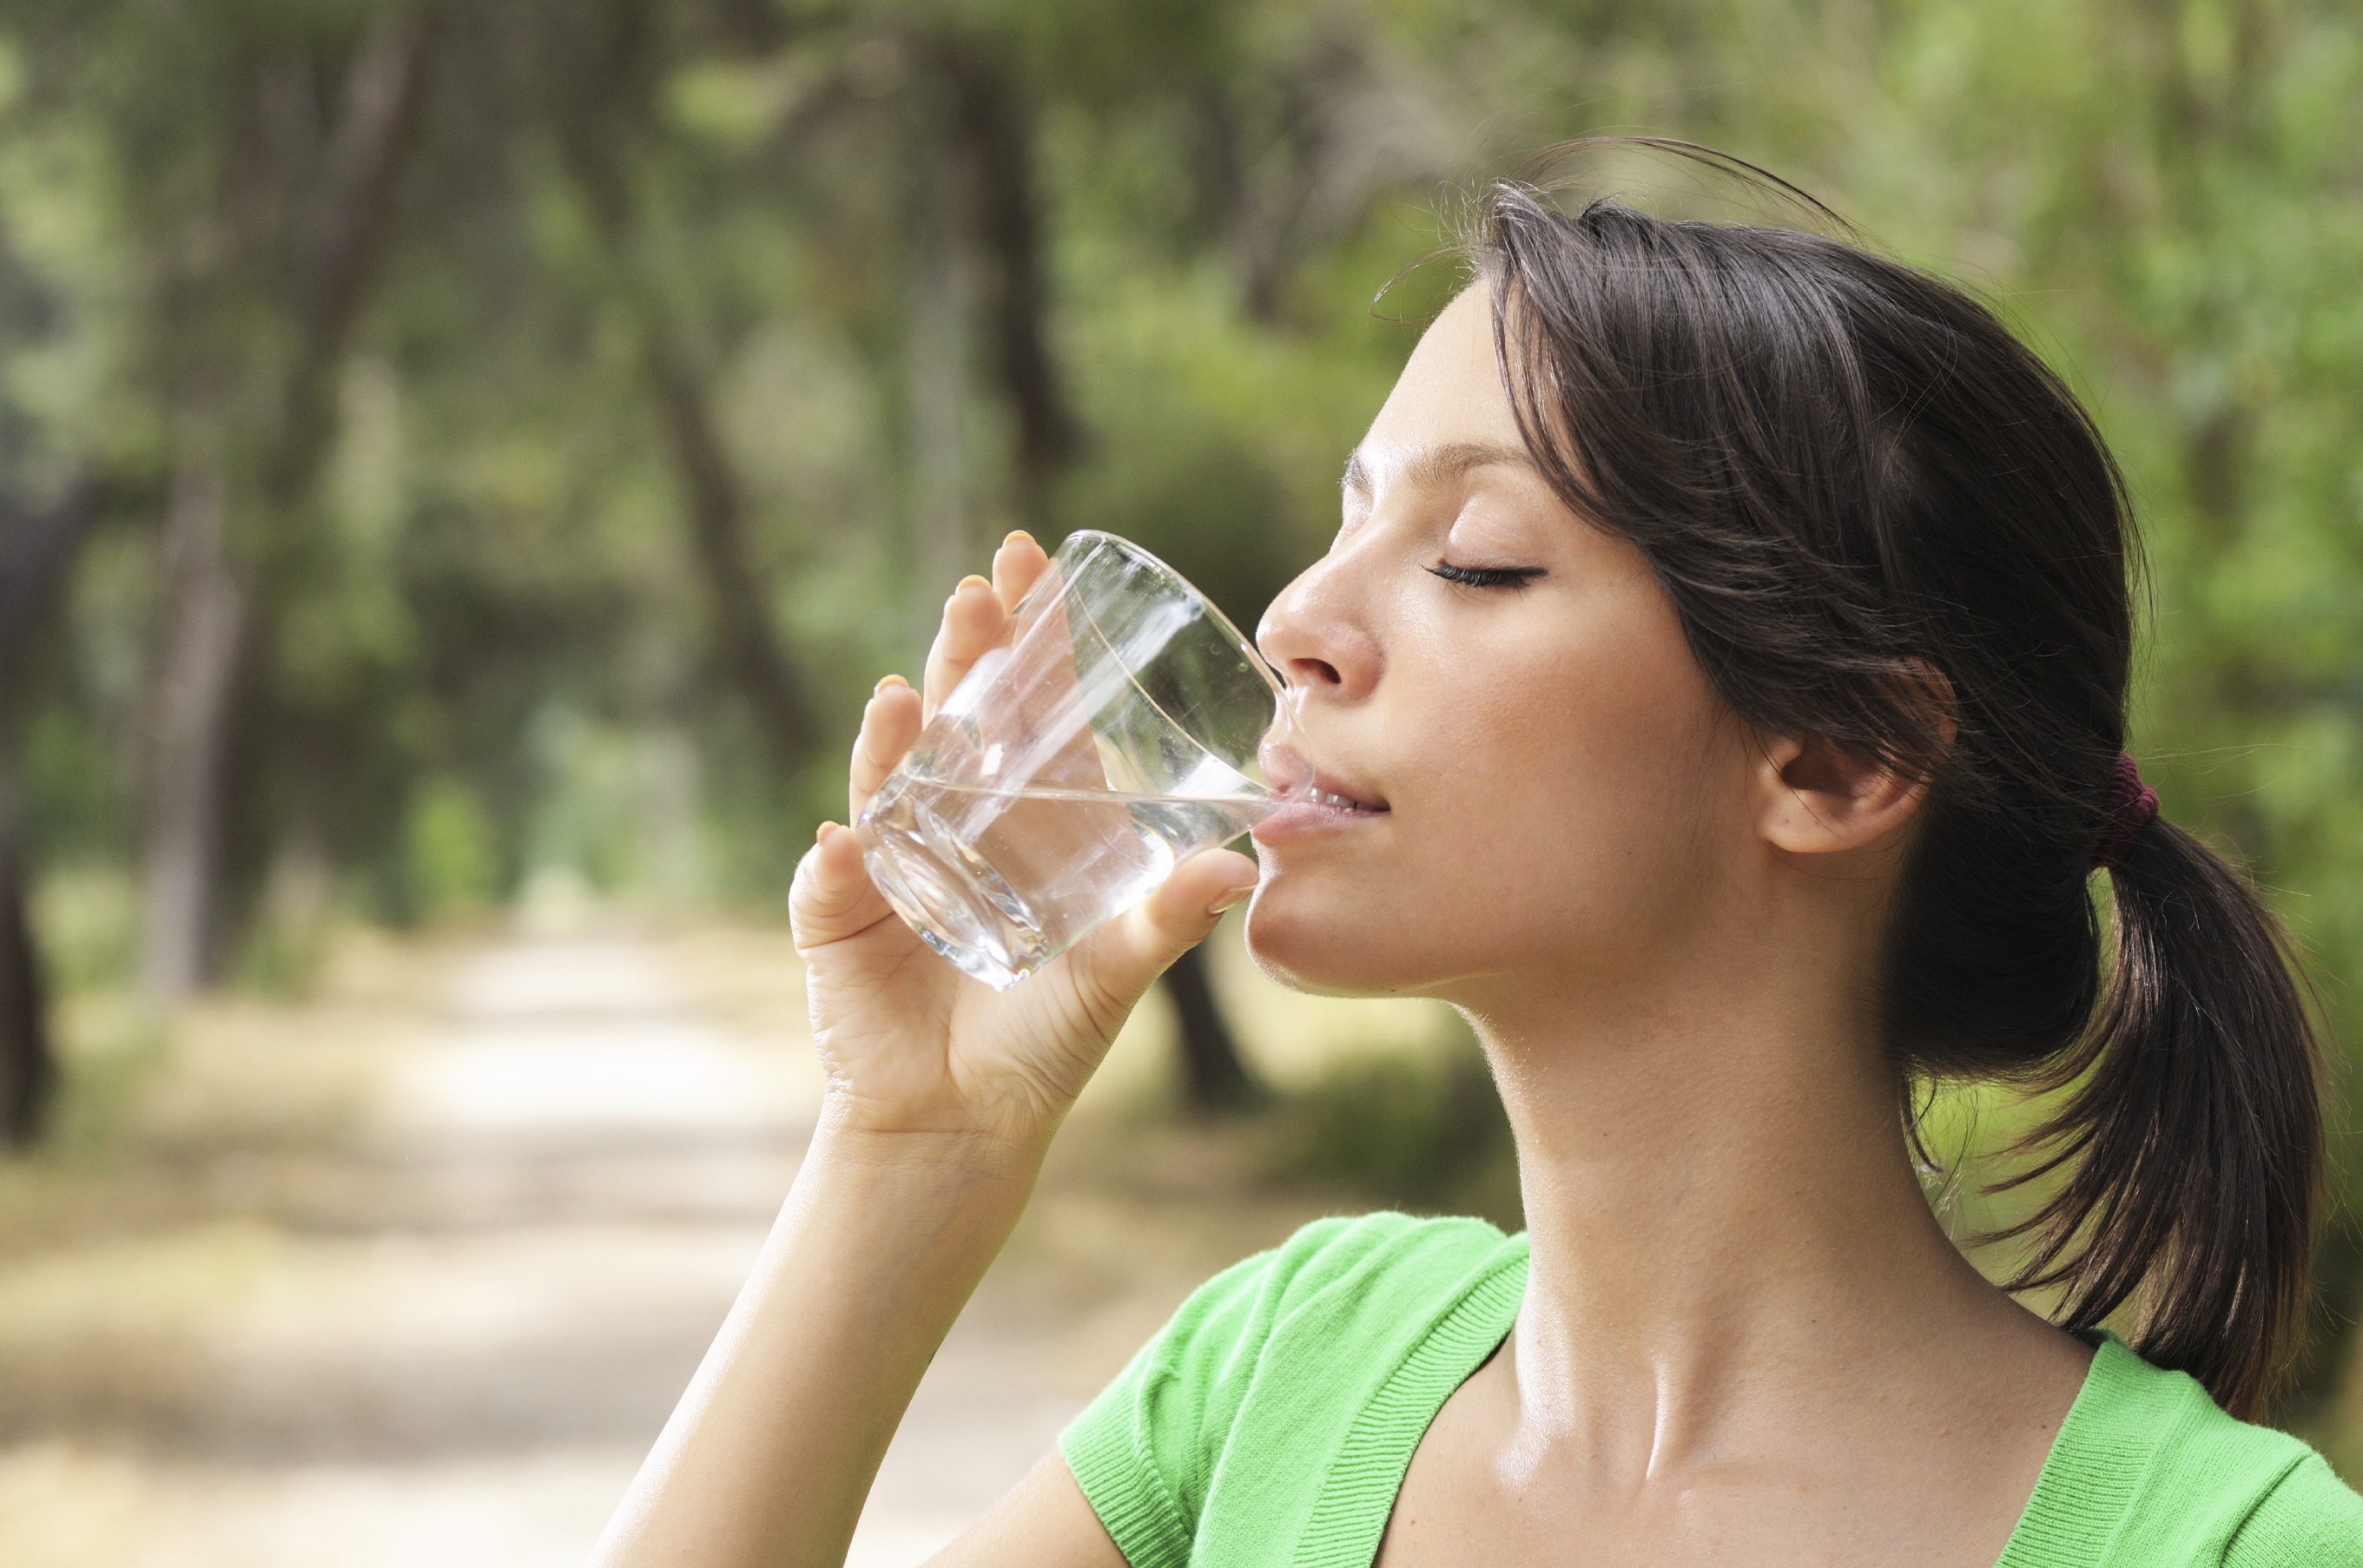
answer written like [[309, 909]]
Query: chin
[[1311, 950]]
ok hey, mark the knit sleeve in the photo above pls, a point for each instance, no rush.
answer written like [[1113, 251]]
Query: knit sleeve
[[1145, 1450], [1149, 1450], [2310, 1519]]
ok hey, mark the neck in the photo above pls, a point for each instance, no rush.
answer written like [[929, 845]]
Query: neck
[[1722, 1213]]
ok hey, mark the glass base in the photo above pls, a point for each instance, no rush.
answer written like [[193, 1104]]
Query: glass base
[[959, 905]]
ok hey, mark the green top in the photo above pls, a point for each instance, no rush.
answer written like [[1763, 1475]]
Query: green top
[[1271, 1421]]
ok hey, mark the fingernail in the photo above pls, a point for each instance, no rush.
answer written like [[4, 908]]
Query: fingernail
[[820, 833], [1016, 533], [972, 581], [886, 680], [1231, 897]]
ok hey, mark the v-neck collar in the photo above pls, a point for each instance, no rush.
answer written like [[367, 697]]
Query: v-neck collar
[[2096, 1464], [2090, 1476]]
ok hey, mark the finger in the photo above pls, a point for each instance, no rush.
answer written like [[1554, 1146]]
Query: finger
[[1016, 566], [973, 617], [889, 723], [1116, 964], [832, 896]]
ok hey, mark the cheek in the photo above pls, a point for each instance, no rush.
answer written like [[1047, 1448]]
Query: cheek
[[1579, 797]]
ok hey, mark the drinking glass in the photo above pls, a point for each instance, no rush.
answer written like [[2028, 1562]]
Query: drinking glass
[[1109, 736]]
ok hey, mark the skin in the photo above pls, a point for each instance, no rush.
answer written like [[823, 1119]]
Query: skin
[[1744, 1337]]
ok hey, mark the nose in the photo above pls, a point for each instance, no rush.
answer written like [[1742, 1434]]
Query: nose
[[1316, 633]]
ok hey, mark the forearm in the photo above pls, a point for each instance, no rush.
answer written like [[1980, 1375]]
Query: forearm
[[771, 1451]]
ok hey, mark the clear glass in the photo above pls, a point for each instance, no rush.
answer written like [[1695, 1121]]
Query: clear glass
[[1109, 737]]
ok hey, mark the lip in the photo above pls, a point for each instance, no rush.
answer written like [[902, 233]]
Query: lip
[[1291, 773]]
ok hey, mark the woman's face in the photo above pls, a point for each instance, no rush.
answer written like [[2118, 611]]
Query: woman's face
[[1552, 789]]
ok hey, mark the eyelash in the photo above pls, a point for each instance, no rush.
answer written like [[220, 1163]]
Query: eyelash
[[1486, 577]]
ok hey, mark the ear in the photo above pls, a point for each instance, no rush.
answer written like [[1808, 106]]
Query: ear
[[1817, 797]]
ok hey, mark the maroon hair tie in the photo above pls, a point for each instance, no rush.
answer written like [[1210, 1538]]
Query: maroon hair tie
[[2133, 806]]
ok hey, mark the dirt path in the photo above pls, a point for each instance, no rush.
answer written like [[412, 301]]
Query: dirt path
[[411, 1274]]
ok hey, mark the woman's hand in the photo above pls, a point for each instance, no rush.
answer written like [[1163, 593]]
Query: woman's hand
[[910, 1043]]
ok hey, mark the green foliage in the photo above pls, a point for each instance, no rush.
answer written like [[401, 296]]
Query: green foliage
[[454, 859], [88, 919]]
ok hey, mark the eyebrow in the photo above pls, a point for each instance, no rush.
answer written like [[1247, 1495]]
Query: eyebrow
[[1434, 466]]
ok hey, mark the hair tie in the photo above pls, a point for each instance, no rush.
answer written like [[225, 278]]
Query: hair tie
[[2133, 806]]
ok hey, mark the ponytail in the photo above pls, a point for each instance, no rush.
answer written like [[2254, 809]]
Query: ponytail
[[2194, 1128]]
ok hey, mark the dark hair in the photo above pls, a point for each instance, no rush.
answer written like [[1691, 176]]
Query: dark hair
[[1880, 516]]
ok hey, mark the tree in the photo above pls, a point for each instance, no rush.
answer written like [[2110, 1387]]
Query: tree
[[281, 255], [37, 549]]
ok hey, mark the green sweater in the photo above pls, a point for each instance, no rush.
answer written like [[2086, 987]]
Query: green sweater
[[1271, 1421]]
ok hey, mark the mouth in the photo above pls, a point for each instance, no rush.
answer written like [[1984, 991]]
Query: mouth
[[1315, 798], [1341, 802]]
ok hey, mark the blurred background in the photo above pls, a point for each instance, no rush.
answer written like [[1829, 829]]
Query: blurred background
[[463, 464]]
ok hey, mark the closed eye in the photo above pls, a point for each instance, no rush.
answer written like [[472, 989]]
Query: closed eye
[[1487, 577]]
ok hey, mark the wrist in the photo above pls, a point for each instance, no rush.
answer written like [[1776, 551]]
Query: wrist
[[912, 1204], [1006, 1149]]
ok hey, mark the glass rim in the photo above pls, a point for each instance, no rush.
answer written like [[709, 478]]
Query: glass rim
[[1256, 661]]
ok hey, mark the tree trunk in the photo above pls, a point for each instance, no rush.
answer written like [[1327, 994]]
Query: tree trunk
[[985, 188], [36, 552], [28, 1064], [213, 615], [384, 95], [204, 633], [994, 129], [750, 649], [936, 374], [601, 84], [1216, 1077]]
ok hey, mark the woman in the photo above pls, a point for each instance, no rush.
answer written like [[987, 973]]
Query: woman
[[1724, 658]]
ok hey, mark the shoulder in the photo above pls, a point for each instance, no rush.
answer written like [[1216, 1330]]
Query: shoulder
[[1310, 1321], [1346, 1278], [2310, 1519], [1339, 1265], [2188, 1483], [1352, 1275]]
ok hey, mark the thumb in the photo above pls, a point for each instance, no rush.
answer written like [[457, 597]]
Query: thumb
[[1123, 957], [832, 896], [1182, 914]]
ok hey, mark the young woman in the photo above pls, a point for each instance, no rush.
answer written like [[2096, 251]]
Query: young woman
[[1724, 653]]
